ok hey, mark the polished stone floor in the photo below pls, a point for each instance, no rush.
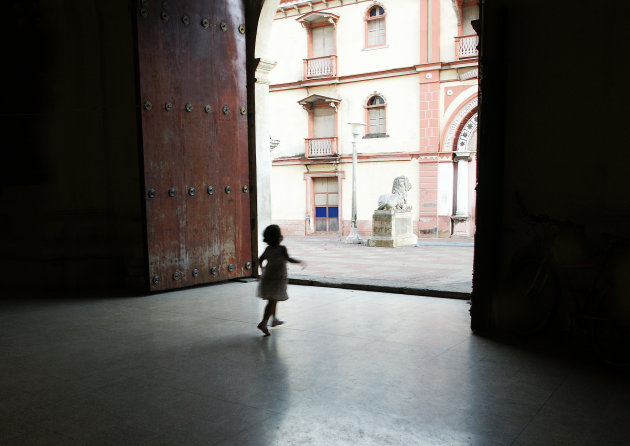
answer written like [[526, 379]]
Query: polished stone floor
[[347, 368]]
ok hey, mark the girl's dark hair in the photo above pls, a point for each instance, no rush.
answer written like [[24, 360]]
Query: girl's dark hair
[[271, 235]]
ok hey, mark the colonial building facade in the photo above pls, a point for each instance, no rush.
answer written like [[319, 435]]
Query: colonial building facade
[[408, 70]]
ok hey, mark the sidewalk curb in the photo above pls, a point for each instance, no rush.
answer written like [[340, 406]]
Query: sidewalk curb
[[438, 243], [361, 286]]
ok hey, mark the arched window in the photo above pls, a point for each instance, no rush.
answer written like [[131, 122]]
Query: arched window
[[375, 27], [376, 116]]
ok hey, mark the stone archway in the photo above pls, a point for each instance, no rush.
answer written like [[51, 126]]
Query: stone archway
[[465, 156], [459, 142]]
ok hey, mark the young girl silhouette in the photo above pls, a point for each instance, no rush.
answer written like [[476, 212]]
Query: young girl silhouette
[[273, 284]]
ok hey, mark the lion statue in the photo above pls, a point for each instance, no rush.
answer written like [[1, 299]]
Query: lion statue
[[397, 200]]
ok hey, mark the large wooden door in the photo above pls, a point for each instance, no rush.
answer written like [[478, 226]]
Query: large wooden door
[[191, 60]]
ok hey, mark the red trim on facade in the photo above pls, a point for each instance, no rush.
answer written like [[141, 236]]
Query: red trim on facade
[[367, 19], [406, 71], [330, 15], [424, 31], [347, 158], [315, 2], [462, 63], [311, 124], [309, 222], [367, 108], [435, 31], [452, 117], [457, 90], [309, 45], [309, 51], [461, 125], [429, 112]]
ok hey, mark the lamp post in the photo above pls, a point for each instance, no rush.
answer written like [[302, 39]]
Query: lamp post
[[357, 128]]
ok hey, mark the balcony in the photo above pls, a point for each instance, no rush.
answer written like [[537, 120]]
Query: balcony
[[320, 67], [320, 147], [466, 46]]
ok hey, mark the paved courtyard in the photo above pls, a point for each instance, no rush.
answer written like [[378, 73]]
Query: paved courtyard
[[432, 268]]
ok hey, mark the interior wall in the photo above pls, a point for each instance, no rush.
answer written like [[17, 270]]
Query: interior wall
[[551, 115], [70, 211]]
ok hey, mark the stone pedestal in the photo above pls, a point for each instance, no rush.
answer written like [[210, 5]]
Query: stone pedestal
[[392, 229]]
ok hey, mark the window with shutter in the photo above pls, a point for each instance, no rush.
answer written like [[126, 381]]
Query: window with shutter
[[376, 116], [375, 21]]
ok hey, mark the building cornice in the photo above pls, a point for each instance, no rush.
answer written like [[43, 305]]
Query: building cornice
[[464, 63], [347, 158], [382, 74], [292, 9], [263, 69]]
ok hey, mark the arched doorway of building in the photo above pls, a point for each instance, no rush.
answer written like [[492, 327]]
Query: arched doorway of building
[[459, 162]]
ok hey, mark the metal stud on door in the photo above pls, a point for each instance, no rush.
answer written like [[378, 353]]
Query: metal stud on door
[[193, 229]]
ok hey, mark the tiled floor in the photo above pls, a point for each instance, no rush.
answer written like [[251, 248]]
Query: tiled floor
[[446, 267], [348, 368]]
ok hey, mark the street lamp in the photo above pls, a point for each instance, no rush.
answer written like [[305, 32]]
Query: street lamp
[[357, 129]]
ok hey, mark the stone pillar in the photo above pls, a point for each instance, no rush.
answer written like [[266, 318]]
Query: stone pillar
[[392, 229], [462, 158], [263, 148], [429, 148]]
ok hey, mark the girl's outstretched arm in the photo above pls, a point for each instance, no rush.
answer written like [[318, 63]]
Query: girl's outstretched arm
[[289, 259]]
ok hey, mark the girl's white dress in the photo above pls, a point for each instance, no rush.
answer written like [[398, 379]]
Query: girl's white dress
[[273, 284]]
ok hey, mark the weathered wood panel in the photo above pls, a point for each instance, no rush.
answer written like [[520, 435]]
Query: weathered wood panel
[[194, 129]]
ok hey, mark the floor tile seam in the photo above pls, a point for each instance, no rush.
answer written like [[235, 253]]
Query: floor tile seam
[[219, 397], [448, 349], [319, 305], [110, 411], [540, 408], [369, 340], [329, 334], [429, 285], [177, 313], [38, 428], [229, 439]]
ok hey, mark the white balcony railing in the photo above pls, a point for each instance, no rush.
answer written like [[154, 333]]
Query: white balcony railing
[[320, 67], [320, 147], [466, 46]]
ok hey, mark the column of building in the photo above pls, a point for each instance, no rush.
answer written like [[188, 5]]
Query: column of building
[[429, 103]]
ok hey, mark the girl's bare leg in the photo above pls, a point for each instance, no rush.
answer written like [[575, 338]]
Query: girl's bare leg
[[275, 321], [270, 309]]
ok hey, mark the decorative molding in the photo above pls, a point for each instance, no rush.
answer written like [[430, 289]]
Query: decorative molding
[[345, 79], [462, 157], [463, 63], [371, 95], [429, 67], [263, 69], [456, 122], [471, 74], [464, 137], [347, 158]]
